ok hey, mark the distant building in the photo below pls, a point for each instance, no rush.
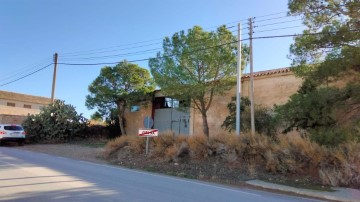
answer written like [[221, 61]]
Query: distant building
[[14, 107]]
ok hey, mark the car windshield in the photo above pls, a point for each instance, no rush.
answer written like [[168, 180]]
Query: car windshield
[[15, 128]]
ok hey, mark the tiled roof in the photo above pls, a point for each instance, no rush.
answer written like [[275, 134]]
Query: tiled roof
[[24, 98], [268, 72]]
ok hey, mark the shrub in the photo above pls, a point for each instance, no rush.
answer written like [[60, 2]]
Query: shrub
[[265, 122], [329, 136], [57, 122]]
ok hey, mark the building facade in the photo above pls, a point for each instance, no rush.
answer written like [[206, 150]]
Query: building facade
[[15, 107], [270, 87]]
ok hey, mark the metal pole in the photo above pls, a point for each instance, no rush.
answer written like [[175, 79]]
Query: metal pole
[[238, 81], [147, 138], [251, 80], [54, 77]]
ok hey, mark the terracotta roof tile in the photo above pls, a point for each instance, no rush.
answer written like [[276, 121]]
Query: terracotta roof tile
[[268, 72]]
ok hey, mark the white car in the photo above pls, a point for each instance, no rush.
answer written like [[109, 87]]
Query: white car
[[12, 133]]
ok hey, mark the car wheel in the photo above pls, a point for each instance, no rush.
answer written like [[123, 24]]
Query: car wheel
[[21, 143]]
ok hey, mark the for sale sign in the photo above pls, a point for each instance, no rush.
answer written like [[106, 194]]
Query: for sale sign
[[148, 132]]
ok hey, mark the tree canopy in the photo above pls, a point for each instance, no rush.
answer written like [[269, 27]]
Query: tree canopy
[[196, 65], [117, 87], [331, 42], [328, 50]]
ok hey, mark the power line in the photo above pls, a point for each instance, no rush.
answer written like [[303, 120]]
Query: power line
[[27, 75], [294, 35], [152, 40], [140, 52], [145, 59], [165, 56], [276, 23], [107, 51], [15, 73], [269, 19], [281, 28], [146, 45]]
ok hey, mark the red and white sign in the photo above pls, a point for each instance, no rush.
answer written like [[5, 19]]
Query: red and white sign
[[148, 132]]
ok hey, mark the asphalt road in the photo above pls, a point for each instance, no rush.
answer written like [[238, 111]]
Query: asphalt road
[[31, 176]]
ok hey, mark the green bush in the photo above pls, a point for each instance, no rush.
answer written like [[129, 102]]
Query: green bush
[[329, 136], [58, 122], [264, 119]]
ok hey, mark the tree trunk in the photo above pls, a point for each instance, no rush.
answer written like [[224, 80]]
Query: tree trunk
[[205, 124], [121, 111]]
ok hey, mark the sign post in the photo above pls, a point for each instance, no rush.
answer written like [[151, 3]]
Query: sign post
[[147, 131]]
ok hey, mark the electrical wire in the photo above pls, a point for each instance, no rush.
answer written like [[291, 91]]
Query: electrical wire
[[130, 54], [166, 56], [9, 76], [152, 40], [145, 59], [172, 55], [281, 28], [277, 23], [27, 75]]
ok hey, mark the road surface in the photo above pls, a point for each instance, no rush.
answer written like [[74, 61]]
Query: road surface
[[31, 176]]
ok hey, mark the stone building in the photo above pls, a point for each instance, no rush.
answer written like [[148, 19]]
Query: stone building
[[270, 87], [14, 107]]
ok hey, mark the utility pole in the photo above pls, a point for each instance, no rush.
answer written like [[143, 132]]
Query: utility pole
[[251, 79], [54, 77], [238, 85]]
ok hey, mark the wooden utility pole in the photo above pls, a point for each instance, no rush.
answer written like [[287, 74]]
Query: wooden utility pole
[[238, 86], [54, 77], [252, 113]]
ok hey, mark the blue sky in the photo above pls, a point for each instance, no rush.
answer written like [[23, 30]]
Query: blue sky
[[95, 31]]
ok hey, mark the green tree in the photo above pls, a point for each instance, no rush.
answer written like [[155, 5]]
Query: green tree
[[309, 109], [57, 122], [196, 66], [118, 87], [328, 50], [330, 43]]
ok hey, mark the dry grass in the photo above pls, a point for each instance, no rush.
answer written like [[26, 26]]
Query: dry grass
[[285, 155], [199, 146], [162, 143], [114, 145]]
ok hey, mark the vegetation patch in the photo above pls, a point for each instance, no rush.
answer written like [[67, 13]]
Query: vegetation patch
[[288, 159]]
